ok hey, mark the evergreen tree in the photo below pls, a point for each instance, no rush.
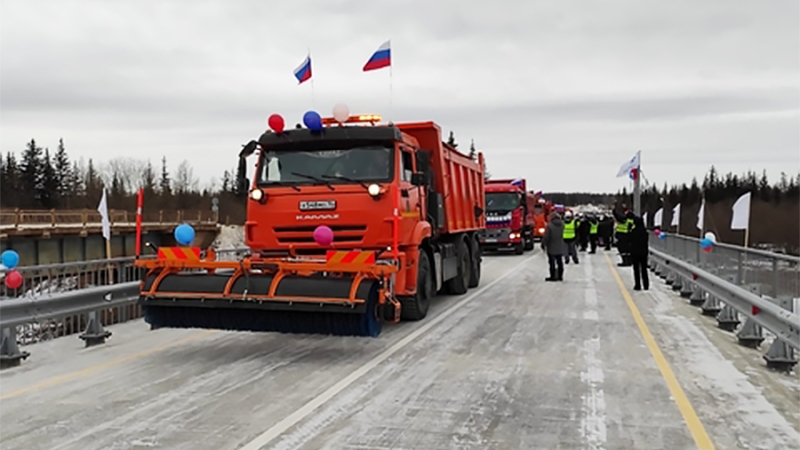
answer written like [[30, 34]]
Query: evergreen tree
[[473, 154], [10, 182], [93, 186], [164, 184], [764, 187], [451, 140], [31, 175], [47, 188], [226, 182], [148, 182], [63, 174]]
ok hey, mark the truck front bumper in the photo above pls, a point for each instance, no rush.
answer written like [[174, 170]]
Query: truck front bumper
[[499, 238]]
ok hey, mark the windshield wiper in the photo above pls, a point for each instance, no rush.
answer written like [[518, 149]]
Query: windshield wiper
[[344, 178], [318, 180], [278, 183]]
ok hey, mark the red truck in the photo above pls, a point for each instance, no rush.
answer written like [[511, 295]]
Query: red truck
[[509, 216]]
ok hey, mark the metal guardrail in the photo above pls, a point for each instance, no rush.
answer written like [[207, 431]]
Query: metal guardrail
[[65, 277], [84, 218], [42, 314], [732, 281]]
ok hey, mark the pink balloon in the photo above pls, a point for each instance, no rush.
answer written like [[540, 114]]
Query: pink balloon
[[708, 249], [13, 279], [323, 235]]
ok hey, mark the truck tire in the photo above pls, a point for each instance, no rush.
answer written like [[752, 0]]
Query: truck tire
[[529, 241], [459, 284], [416, 307], [519, 249], [475, 272]]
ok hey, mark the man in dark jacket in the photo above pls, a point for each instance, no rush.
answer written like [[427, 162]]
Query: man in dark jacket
[[553, 244], [583, 231], [637, 245], [606, 231]]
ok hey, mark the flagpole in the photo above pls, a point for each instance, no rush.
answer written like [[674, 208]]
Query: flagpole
[[391, 105], [747, 229], [637, 188]]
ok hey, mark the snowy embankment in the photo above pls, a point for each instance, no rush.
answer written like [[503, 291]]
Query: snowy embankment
[[230, 237]]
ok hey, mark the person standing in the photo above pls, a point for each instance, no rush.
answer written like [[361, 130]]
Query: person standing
[[583, 231], [606, 231], [623, 242], [594, 227], [570, 235], [639, 251], [553, 244]]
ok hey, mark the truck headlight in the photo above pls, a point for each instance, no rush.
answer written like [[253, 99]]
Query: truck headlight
[[257, 195], [541, 230], [374, 190]]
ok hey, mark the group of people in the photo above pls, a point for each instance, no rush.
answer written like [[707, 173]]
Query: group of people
[[564, 236]]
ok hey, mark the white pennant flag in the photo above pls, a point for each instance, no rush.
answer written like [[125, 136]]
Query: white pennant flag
[[741, 213], [102, 208], [658, 219], [644, 219], [676, 215], [701, 215], [633, 163]]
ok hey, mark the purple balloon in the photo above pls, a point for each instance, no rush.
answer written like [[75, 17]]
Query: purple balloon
[[323, 235]]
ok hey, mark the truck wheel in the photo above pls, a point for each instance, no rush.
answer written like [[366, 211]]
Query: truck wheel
[[416, 307], [519, 249], [459, 284], [529, 243], [475, 273]]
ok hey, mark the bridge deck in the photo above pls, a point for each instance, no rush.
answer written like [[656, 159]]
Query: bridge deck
[[519, 363]]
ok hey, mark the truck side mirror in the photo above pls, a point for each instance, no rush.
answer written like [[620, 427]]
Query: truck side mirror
[[418, 179], [478, 211]]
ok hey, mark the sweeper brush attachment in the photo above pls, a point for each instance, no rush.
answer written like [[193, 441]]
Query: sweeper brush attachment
[[285, 296]]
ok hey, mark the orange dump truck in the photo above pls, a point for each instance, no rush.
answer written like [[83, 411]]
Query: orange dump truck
[[350, 226]]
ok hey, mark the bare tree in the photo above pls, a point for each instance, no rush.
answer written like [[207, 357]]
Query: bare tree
[[128, 170], [185, 181]]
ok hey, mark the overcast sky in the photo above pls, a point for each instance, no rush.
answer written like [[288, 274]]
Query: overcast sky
[[561, 92]]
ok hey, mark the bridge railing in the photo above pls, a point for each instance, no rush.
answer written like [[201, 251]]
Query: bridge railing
[[73, 298], [86, 217], [732, 282]]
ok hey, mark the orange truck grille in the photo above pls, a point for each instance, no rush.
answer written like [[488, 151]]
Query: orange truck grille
[[305, 234]]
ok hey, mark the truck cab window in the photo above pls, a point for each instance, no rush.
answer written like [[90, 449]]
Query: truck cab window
[[406, 166]]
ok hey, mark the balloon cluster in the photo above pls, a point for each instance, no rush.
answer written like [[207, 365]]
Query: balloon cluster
[[13, 278], [311, 119], [184, 234], [708, 241]]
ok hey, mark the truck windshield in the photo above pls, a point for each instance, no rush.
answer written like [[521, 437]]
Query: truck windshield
[[501, 201], [356, 164]]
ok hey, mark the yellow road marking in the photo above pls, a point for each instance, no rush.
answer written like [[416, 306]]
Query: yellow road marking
[[92, 369], [699, 433]]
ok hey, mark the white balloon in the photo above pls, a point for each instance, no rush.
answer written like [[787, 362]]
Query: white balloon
[[341, 112], [711, 236]]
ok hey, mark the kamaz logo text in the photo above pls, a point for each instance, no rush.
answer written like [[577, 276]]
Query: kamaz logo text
[[317, 217], [317, 205]]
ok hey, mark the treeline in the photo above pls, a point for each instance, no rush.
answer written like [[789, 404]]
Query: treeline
[[39, 179], [774, 212], [580, 198]]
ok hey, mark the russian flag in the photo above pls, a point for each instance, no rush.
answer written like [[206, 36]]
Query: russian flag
[[516, 182], [380, 59], [303, 71]]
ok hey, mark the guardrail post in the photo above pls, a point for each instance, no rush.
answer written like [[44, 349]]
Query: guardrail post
[[780, 355], [10, 355], [677, 284], [751, 334], [697, 297], [670, 280], [94, 334], [728, 318], [686, 288], [712, 306]]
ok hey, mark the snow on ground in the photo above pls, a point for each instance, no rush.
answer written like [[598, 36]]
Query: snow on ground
[[230, 237], [719, 377]]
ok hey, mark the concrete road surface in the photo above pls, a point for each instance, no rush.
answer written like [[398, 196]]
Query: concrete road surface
[[515, 364]]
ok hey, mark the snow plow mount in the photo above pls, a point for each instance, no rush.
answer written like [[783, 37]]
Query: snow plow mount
[[343, 282]]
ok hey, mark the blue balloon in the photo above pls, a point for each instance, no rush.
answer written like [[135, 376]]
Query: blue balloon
[[10, 259], [312, 120], [706, 242], [184, 234], [662, 235]]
